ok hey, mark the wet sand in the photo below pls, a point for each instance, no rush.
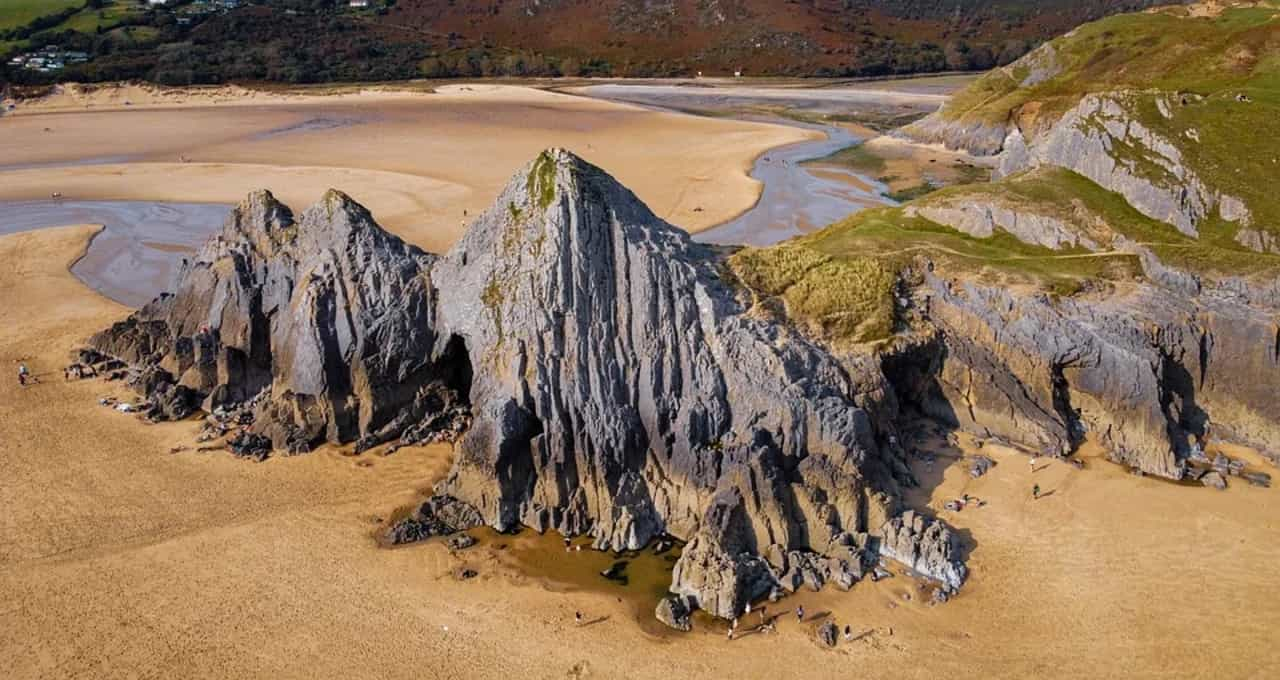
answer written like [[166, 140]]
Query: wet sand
[[882, 99], [796, 199], [417, 160], [121, 559], [137, 255]]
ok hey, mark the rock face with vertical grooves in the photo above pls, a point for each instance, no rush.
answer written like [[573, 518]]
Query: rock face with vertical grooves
[[328, 316], [621, 390], [617, 383]]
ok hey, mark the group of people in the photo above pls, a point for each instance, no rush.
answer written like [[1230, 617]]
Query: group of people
[[768, 623]]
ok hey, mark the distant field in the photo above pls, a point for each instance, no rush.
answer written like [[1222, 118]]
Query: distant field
[[89, 20], [14, 13]]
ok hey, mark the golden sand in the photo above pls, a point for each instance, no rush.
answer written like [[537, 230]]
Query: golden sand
[[416, 160], [121, 559]]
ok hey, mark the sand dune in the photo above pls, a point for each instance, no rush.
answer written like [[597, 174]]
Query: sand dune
[[121, 559]]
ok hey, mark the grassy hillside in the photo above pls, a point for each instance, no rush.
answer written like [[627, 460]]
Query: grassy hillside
[[15, 13], [1172, 49], [1198, 84]]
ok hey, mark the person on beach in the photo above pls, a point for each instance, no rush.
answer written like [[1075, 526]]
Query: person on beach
[[763, 620], [1035, 492], [848, 633], [23, 374], [800, 614], [1033, 463], [577, 618]]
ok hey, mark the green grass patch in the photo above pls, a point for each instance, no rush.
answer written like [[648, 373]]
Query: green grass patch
[[1164, 50], [912, 193], [542, 180], [844, 299], [896, 240], [90, 20], [15, 13], [856, 158], [1063, 194]]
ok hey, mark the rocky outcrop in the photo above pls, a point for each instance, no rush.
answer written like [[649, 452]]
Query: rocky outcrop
[[1147, 373], [673, 611], [328, 314], [622, 390], [978, 137], [828, 633], [959, 130], [1102, 140], [616, 383], [982, 219], [926, 546]]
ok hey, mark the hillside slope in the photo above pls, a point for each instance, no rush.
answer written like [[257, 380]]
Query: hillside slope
[[1120, 277], [324, 40], [761, 37]]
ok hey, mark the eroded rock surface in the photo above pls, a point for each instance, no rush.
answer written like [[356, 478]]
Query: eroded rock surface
[[623, 391], [925, 545], [329, 315], [613, 381]]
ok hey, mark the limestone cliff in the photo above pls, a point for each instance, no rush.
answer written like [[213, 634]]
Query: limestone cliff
[[328, 317], [615, 380]]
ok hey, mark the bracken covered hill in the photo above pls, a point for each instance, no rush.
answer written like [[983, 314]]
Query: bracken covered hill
[[761, 37], [326, 40]]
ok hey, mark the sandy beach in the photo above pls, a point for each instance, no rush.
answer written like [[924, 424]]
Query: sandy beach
[[417, 159], [119, 558]]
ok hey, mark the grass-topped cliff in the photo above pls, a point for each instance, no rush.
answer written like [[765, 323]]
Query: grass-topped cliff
[[1142, 147]]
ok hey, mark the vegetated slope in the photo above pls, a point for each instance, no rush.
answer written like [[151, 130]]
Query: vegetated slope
[[760, 37], [1183, 99], [1120, 277], [324, 40]]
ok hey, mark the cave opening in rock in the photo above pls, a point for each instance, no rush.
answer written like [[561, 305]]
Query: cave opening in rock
[[455, 369]]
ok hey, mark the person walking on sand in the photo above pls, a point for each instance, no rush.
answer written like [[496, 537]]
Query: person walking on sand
[[577, 618], [1035, 492], [800, 614], [1033, 463], [23, 374], [848, 633]]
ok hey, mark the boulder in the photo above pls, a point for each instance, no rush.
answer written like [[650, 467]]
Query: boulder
[[828, 634], [926, 546], [674, 611], [460, 541], [1261, 479], [439, 516], [1214, 479], [980, 466]]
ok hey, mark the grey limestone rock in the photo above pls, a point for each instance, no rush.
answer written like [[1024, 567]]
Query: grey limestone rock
[[926, 546], [674, 611], [622, 390], [828, 633], [329, 314]]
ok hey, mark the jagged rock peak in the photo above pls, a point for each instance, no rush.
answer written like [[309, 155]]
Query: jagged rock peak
[[603, 377], [555, 196], [322, 327]]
